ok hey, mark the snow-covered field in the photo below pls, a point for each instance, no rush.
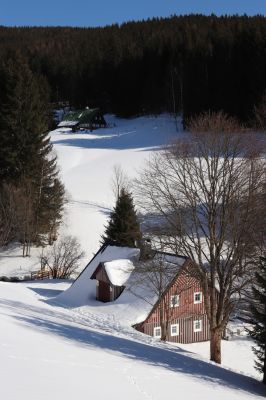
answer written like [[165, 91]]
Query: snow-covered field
[[87, 162], [52, 352], [48, 352]]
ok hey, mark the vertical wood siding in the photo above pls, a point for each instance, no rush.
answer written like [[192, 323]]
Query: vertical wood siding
[[103, 292], [185, 285], [102, 275], [186, 329], [106, 291]]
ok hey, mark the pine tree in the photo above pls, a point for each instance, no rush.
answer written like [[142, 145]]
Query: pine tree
[[258, 309], [123, 228], [26, 159], [49, 200], [23, 121]]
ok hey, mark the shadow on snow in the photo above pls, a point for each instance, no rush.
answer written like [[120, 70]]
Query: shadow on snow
[[176, 360], [48, 293], [122, 141]]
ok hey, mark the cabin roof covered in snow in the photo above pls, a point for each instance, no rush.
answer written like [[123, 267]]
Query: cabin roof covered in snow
[[138, 298], [144, 281], [83, 289]]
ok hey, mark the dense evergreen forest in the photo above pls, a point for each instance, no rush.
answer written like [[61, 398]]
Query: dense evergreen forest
[[179, 64], [31, 192]]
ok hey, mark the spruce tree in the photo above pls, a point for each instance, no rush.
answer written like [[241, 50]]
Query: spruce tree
[[49, 200], [26, 159], [23, 121], [258, 309], [123, 228]]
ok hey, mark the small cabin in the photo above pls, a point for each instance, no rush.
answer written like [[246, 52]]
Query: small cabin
[[111, 278], [89, 118]]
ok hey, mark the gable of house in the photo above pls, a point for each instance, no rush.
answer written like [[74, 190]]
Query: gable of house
[[182, 305], [83, 288], [183, 287], [111, 277]]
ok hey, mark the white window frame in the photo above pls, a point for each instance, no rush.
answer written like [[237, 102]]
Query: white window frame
[[197, 301], [154, 331], [195, 323], [174, 304], [177, 331]]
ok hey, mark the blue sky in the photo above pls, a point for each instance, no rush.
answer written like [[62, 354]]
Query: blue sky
[[103, 12]]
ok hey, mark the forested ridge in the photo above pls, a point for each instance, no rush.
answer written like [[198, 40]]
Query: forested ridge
[[180, 64]]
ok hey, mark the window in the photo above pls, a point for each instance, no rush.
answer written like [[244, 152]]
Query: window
[[198, 325], [197, 297], [175, 330], [157, 331], [174, 301]]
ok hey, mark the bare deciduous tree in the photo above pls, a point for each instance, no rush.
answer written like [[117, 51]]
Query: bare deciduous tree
[[25, 215], [8, 218], [151, 278], [16, 214], [260, 114], [119, 181], [208, 188], [63, 257]]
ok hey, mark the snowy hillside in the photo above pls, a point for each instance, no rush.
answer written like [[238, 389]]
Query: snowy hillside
[[49, 352], [87, 160], [60, 344]]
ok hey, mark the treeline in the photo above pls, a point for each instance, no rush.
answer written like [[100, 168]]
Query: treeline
[[181, 64], [31, 193]]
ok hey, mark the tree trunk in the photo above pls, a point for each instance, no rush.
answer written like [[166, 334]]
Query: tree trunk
[[215, 345], [163, 332], [163, 325], [264, 368]]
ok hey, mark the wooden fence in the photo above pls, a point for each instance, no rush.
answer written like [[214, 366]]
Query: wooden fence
[[40, 275]]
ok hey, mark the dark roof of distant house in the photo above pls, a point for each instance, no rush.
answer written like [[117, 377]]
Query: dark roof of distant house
[[79, 116]]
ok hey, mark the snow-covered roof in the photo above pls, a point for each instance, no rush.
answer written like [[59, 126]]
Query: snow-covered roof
[[119, 271], [67, 123], [137, 300], [83, 289], [144, 281]]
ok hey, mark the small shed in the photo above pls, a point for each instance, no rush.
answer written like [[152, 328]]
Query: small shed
[[111, 278], [89, 118]]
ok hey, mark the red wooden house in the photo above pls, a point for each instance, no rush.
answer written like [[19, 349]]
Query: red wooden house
[[182, 307], [181, 302]]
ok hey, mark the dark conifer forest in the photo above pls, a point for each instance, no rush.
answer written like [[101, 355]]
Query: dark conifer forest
[[182, 64], [31, 192]]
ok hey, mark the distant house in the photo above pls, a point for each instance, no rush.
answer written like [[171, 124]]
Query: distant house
[[89, 118]]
